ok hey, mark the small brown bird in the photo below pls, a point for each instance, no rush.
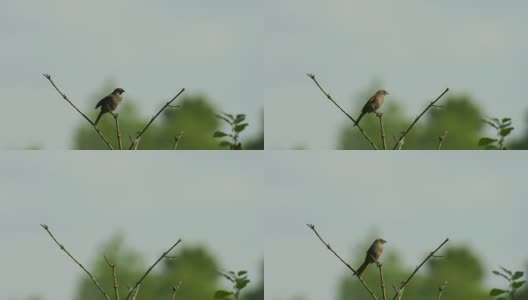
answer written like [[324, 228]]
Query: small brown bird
[[109, 103], [373, 104], [373, 255]]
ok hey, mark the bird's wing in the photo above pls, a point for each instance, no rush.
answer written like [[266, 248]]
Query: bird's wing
[[369, 106], [102, 101]]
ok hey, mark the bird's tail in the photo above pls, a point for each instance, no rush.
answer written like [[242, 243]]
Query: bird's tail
[[98, 117], [359, 118], [361, 269]]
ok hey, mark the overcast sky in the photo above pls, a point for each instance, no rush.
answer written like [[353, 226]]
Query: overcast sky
[[246, 55], [151, 49], [88, 198], [413, 199]]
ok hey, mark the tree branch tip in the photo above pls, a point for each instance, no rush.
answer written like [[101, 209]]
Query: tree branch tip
[[44, 226], [312, 76]]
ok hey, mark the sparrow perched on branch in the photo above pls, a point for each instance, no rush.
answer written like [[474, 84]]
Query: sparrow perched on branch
[[373, 255], [109, 103], [372, 105]]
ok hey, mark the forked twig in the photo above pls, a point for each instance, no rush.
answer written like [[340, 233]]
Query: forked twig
[[441, 289], [138, 136], [114, 276], [79, 111], [312, 227], [441, 140], [418, 118], [404, 283], [150, 269], [312, 76]]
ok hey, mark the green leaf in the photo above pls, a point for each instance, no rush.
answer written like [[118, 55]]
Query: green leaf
[[518, 284], [242, 283], [239, 118], [517, 275], [504, 120], [240, 127], [229, 116], [496, 292], [240, 273], [219, 134], [486, 141], [506, 131], [225, 144], [221, 294], [496, 121]]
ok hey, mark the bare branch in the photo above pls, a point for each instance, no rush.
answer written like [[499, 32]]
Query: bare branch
[[114, 276], [77, 262], [150, 269], [138, 136], [418, 118], [312, 227], [380, 115], [174, 289], [382, 282], [312, 76], [404, 283], [441, 140], [441, 289], [136, 291], [177, 140], [118, 131], [79, 111]]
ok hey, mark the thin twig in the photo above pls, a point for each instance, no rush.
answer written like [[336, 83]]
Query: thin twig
[[382, 282], [151, 267], [79, 111], [118, 131], [418, 118], [75, 260], [441, 140], [136, 291], [312, 76], [420, 265], [138, 136], [114, 276], [177, 140], [312, 227], [441, 289], [380, 115], [174, 289]]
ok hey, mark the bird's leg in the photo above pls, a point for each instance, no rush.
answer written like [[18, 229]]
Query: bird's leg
[[378, 114]]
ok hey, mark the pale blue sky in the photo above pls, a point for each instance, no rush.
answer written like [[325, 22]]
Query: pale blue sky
[[473, 198]]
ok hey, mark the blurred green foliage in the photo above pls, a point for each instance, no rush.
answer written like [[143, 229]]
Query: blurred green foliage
[[458, 113], [195, 116], [194, 266]]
